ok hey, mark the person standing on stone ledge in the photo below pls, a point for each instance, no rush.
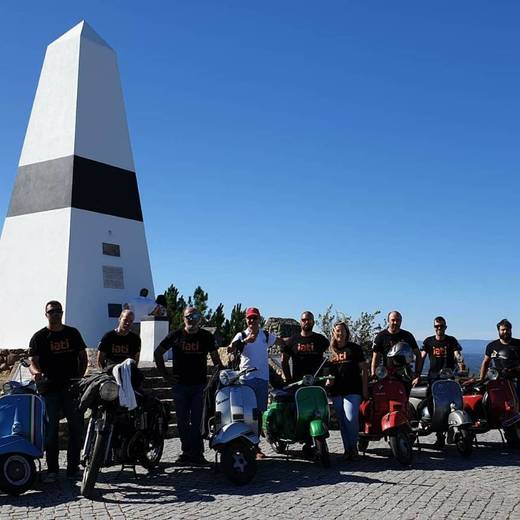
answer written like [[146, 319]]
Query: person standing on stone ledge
[[58, 354], [160, 310], [141, 306]]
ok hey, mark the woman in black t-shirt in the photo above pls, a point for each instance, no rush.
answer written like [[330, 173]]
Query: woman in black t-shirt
[[349, 385]]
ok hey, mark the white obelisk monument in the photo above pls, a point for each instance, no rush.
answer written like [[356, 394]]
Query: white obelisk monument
[[74, 230]]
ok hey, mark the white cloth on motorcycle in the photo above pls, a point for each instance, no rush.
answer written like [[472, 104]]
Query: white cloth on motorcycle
[[123, 375]]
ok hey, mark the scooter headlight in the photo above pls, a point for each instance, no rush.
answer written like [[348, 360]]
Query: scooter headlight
[[446, 373], [7, 388], [224, 377], [492, 374], [308, 380], [381, 372], [109, 391]]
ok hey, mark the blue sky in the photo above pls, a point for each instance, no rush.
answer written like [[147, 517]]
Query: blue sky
[[295, 154]]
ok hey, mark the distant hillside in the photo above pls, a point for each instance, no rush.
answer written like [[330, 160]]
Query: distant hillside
[[476, 346]]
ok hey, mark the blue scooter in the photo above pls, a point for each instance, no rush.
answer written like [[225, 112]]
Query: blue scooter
[[22, 435]]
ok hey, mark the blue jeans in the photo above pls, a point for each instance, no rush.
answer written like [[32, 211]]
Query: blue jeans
[[188, 406], [347, 412], [56, 403], [261, 388]]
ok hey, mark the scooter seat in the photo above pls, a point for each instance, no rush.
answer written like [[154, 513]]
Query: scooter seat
[[281, 396], [419, 392]]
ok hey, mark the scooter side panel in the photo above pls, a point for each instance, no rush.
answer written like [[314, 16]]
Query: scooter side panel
[[501, 402], [28, 411], [17, 444]]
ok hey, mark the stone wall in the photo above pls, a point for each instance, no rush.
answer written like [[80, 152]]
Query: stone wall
[[9, 357]]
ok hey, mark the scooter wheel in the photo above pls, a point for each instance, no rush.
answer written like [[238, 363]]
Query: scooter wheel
[[363, 444], [238, 462], [464, 442], [512, 436], [401, 446], [322, 452], [17, 473]]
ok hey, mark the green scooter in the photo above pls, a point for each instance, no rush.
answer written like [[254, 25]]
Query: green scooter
[[300, 416]]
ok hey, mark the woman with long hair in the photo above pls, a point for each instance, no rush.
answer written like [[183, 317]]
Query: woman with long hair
[[348, 386]]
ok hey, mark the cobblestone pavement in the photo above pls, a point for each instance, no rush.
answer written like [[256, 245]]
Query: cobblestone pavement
[[439, 485]]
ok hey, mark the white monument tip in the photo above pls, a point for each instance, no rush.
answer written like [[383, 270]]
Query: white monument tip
[[79, 108], [81, 30]]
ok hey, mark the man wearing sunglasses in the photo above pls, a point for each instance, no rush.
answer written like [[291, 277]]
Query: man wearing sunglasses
[[58, 355], [443, 351], [190, 348]]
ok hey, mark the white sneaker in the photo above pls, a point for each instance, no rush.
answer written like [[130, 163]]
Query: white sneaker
[[50, 478]]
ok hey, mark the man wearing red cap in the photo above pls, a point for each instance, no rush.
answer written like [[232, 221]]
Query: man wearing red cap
[[253, 345]]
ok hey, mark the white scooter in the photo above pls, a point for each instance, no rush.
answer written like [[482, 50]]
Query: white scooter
[[234, 427]]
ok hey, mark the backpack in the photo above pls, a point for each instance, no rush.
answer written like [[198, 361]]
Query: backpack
[[238, 347]]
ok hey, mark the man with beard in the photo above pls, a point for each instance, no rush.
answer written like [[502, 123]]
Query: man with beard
[[389, 337], [505, 341], [305, 349]]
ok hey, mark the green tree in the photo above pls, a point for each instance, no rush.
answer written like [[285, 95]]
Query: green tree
[[200, 301], [362, 329], [218, 318]]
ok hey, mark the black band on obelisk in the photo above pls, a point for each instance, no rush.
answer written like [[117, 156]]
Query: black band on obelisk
[[78, 183]]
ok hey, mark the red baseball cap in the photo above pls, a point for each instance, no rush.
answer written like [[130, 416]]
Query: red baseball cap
[[252, 311]]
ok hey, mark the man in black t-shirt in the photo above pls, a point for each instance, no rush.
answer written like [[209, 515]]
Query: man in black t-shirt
[[505, 341], [119, 344], [190, 347], [305, 349], [58, 355], [389, 337], [442, 350]]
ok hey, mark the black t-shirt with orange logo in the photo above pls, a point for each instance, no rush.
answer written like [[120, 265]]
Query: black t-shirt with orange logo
[[441, 353], [190, 355], [306, 353], [58, 353], [118, 347], [344, 366]]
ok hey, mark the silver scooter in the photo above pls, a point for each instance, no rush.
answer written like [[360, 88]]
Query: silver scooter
[[442, 410], [235, 426]]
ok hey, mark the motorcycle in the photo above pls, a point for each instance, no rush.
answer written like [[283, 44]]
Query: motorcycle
[[384, 415], [22, 435], [117, 435], [439, 408], [233, 427], [493, 405], [300, 416]]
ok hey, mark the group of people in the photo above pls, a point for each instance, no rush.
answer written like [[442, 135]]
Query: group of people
[[58, 356]]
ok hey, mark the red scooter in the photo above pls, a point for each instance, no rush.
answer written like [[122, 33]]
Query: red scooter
[[384, 415], [493, 405]]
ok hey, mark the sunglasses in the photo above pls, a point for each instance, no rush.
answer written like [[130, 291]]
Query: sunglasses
[[439, 326], [252, 318], [54, 311], [192, 317]]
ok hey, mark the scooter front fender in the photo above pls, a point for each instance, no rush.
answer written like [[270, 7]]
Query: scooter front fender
[[17, 444], [232, 431], [393, 420], [459, 418], [318, 428]]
